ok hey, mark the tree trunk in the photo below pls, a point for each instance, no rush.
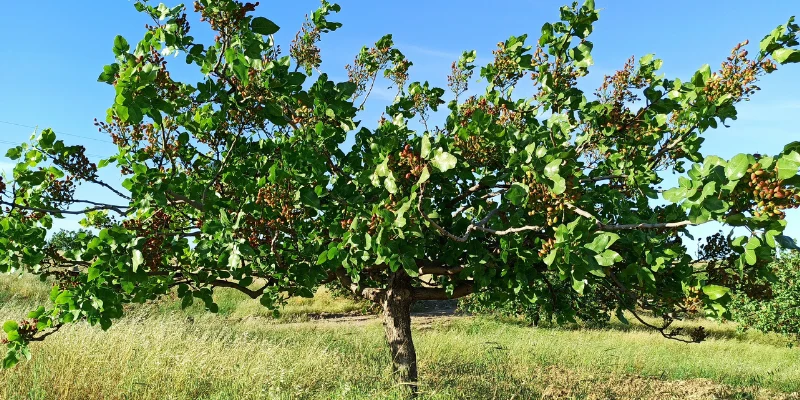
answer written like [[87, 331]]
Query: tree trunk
[[397, 321]]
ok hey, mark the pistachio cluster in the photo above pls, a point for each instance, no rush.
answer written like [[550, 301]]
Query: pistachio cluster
[[26, 329], [479, 151], [692, 303], [223, 19], [541, 201], [547, 245], [771, 197], [278, 198], [554, 77], [154, 230], [507, 70], [737, 76], [60, 192], [76, 163], [374, 221], [398, 72], [504, 115], [304, 48], [257, 231], [366, 66], [617, 89], [411, 162], [458, 80]]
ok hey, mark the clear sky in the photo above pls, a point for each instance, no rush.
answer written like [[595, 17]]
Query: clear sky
[[54, 51]]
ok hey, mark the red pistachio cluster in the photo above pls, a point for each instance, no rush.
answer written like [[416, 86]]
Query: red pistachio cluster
[[411, 162], [26, 329], [154, 231], [768, 191]]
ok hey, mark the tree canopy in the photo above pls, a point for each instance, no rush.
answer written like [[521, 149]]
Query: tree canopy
[[261, 178]]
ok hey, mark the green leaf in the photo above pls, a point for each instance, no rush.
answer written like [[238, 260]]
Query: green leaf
[[559, 185], [621, 316], [783, 56], [92, 273], [788, 165], [187, 300], [786, 242], [715, 292], [333, 252], [443, 161], [64, 298], [36, 314], [550, 257], [426, 147], [750, 256], [10, 326], [517, 194], [235, 258], [737, 167], [701, 76], [309, 197], [14, 153], [602, 241], [122, 112], [120, 45], [382, 169], [578, 285], [410, 265], [424, 176], [390, 184], [263, 26], [607, 258], [10, 361], [109, 74], [137, 259], [551, 169]]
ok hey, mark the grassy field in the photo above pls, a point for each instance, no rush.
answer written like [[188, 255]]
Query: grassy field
[[161, 352]]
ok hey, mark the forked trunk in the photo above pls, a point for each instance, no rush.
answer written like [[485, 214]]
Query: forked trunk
[[397, 322]]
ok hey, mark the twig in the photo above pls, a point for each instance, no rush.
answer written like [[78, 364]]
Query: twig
[[444, 232], [602, 178]]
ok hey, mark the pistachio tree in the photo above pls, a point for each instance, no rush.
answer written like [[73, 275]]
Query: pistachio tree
[[261, 178]]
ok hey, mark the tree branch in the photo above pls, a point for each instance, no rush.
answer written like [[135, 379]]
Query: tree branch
[[370, 294], [622, 227], [183, 199], [70, 212], [602, 178], [424, 293], [254, 294], [46, 334]]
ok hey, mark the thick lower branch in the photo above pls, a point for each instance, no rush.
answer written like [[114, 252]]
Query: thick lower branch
[[370, 294], [461, 290]]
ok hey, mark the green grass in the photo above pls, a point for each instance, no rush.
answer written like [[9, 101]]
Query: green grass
[[157, 352]]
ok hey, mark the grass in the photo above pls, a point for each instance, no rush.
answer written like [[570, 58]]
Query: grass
[[158, 352]]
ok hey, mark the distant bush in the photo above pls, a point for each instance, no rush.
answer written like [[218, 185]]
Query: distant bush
[[780, 311], [65, 240]]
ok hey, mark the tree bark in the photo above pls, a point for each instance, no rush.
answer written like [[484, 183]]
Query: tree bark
[[396, 303]]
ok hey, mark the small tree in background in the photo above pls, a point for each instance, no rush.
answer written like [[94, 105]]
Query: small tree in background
[[68, 241], [777, 308], [243, 179]]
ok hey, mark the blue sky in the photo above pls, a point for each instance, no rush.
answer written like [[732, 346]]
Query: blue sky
[[52, 55]]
